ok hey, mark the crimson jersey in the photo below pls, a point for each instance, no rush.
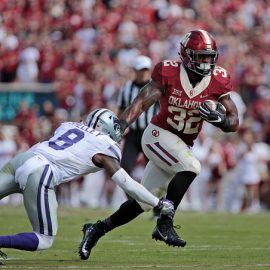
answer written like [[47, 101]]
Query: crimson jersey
[[180, 102]]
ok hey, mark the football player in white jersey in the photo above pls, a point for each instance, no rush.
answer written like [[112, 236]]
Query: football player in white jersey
[[75, 149]]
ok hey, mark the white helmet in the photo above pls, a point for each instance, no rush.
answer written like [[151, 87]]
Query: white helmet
[[105, 121]]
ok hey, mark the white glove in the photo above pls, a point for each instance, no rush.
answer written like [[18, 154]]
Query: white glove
[[166, 208]]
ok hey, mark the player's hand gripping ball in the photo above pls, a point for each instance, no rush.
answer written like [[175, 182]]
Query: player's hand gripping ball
[[213, 112]]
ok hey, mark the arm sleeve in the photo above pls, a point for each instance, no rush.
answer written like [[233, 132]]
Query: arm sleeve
[[134, 189]]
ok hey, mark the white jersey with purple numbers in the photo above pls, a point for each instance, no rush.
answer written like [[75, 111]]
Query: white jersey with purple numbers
[[71, 149]]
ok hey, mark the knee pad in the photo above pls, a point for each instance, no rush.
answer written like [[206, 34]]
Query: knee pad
[[45, 241]]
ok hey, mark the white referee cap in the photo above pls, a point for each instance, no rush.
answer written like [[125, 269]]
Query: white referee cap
[[142, 62]]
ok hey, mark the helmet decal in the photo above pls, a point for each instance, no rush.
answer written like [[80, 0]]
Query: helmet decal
[[116, 124]]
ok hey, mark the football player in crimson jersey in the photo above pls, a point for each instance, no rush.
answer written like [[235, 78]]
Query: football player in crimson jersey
[[181, 88]]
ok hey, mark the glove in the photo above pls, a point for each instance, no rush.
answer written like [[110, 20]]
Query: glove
[[216, 117], [165, 207]]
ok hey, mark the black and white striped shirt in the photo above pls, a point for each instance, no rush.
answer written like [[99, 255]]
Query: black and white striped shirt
[[127, 94]]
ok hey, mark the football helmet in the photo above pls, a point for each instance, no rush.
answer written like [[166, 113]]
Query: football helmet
[[198, 52], [105, 121]]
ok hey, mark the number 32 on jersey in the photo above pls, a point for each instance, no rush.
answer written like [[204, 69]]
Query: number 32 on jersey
[[184, 120]]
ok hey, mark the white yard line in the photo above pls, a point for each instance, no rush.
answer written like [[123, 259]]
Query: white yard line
[[136, 266]]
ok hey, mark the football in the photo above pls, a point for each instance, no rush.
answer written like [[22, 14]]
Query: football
[[215, 105]]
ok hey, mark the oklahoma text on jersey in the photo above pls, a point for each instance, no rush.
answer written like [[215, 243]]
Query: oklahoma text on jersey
[[180, 100]]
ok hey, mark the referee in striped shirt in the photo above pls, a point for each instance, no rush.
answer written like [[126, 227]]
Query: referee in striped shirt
[[132, 148]]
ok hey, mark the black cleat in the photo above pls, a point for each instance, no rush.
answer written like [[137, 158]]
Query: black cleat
[[91, 234], [164, 231]]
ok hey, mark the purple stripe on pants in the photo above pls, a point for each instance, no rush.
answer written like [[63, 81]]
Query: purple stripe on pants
[[41, 224], [47, 208]]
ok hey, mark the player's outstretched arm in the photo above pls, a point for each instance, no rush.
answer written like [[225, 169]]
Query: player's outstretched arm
[[148, 95], [123, 179]]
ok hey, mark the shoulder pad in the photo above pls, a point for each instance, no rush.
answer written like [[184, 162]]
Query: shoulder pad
[[222, 81], [164, 70]]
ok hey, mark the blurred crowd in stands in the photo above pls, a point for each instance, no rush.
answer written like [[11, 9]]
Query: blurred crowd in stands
[[85, 49]]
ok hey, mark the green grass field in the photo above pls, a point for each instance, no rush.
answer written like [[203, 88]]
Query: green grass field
[[215, 241]]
